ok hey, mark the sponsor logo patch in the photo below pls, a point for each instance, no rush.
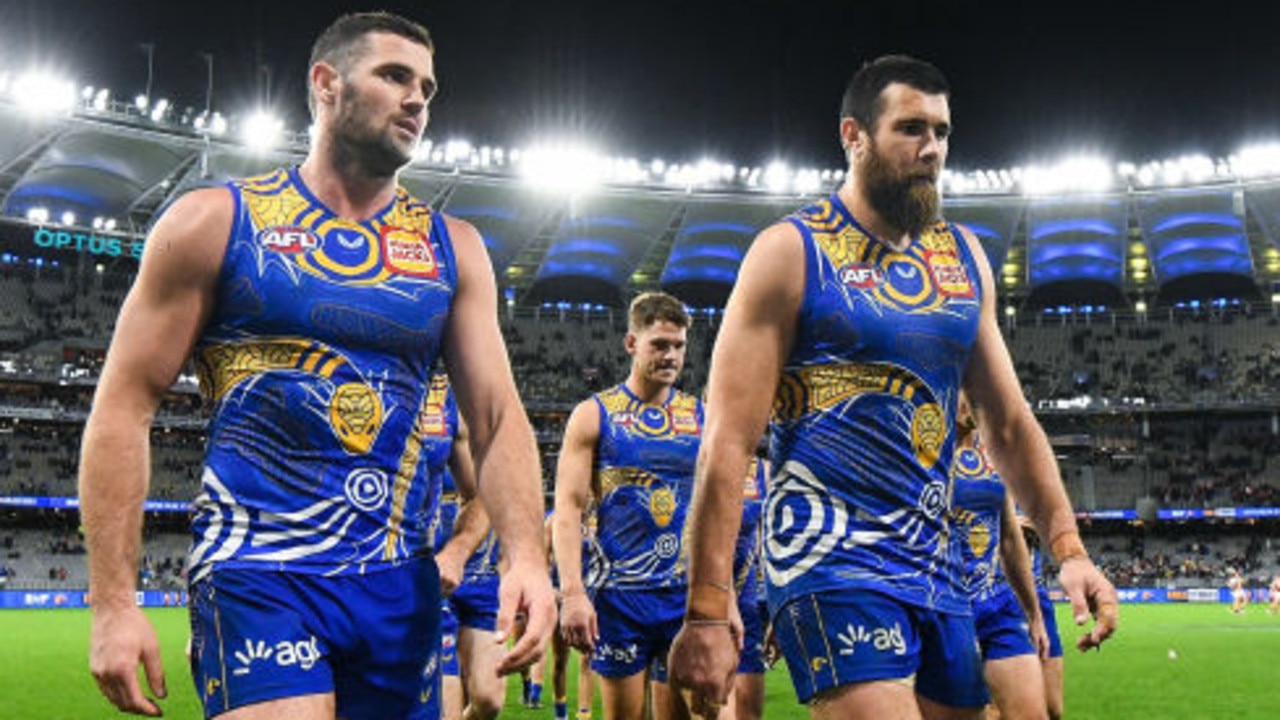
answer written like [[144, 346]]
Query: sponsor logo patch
[[685, 422], [408, 252], [949, 274]]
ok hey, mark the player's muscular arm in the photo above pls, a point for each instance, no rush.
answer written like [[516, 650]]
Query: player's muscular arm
[[1022, 452], [472, 522], [509, 479], [155, 332], [572, 498]]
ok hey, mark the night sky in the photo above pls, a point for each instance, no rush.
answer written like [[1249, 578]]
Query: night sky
[[745, 82]]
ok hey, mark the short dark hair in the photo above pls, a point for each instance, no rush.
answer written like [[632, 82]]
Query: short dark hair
[[862, 97], [651, 307], [341, 43]]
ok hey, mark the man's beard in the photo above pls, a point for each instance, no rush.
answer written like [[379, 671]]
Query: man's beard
[[359, 145], [908, 204]]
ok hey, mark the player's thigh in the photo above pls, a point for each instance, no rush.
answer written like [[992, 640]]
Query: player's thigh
[[748, 696], [931, 710], [669, 705], [480, 652], [451, 691], [623, 697], [873, 700], [1052, 670], [1017, 686], [300, 707]]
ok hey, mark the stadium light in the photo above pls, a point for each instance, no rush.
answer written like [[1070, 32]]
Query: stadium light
[[1081, 174], [159, 110], [777, 176], [38, 215], [262, 130], [567, 167], [1255, 161], [68, 218], [43, 93]]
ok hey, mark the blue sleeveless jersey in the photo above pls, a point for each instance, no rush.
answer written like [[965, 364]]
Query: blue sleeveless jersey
[[316, 363], [746, 552], [441, 402], [977, 505], [1035, 551], [438, 448], [644, 469], [861, 436]]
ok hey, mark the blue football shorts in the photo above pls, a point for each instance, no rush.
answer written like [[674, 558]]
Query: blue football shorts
[[1050, 622], [475, 602], [636, 630], [449, 665], [372, 640], [1002, 626], [836, 638], [751, 661]]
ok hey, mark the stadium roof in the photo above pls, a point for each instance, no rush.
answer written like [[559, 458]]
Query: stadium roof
[[1218, 239]]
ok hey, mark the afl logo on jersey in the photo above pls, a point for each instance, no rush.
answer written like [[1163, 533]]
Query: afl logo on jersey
[[288, 239], [861, 275], [408, 252]]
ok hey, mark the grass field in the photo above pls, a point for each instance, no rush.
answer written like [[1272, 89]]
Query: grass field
[[1226, 666]]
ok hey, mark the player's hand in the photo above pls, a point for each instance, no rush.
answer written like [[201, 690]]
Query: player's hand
[[736, 627], [1039, 637], [451, 567], [578, 622], [1090, 593], [702, 664], [525, 590], [772, 650], [120, 639]]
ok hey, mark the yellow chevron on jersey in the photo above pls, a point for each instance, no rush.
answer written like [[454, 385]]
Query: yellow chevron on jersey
[[934, 269], [407, 470], [291, 225], [662, 502], [355, 409], [818, 388]]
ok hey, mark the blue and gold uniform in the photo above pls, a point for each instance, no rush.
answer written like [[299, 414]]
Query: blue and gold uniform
[[746, 566], [316, 363], [644, 469], [1038, 571], [978, 506], [861, 441], [644, 464], [978, 503]]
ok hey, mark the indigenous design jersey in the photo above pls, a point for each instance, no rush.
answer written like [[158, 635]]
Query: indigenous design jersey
[[978, 501], [861, 437], [644, 469], [1034, 550], [317, 363], [439, 441], [438, 432], [747, 551]]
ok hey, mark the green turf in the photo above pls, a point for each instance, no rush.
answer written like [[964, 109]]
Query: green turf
[[1227, 666]]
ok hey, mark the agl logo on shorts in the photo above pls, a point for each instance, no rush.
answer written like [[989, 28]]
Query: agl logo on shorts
[[888, 639], [303, 653]]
